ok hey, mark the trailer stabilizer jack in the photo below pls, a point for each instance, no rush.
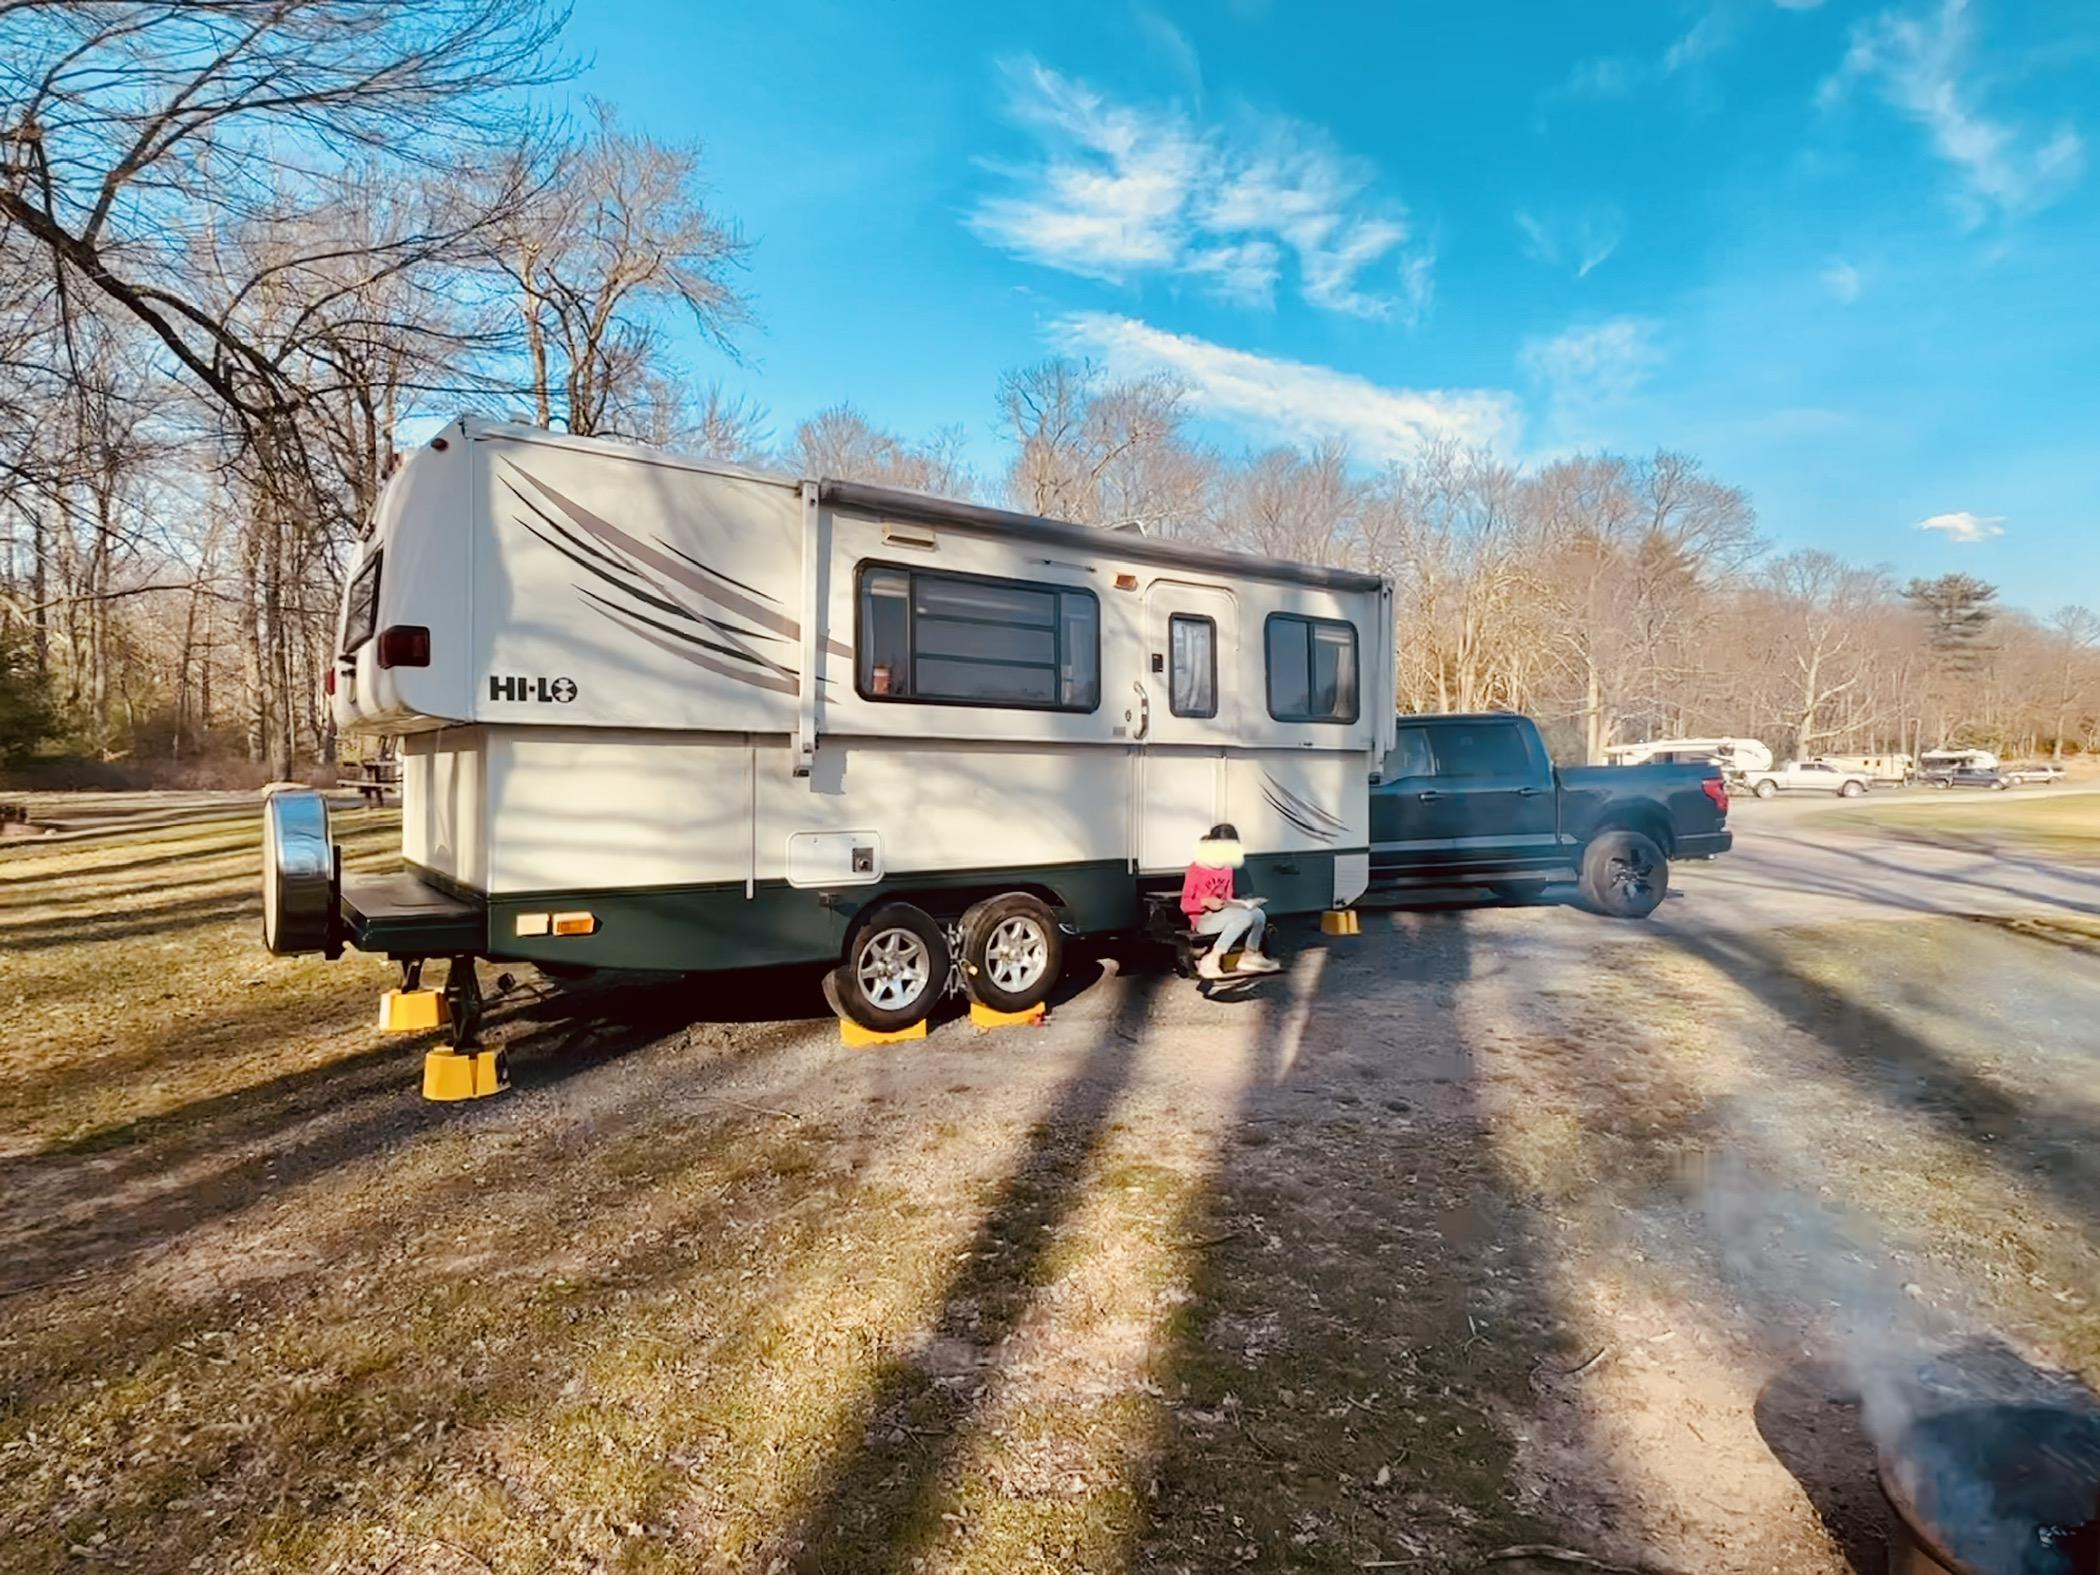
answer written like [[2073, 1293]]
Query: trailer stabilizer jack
[[1340, 921], [412, 1011], [464, 1074]]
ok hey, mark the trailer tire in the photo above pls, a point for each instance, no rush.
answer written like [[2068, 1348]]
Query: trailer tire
[[896, 967], [1012, 952], [299, 879], [1625, 875]]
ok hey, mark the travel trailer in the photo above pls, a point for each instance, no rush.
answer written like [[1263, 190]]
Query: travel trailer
[[657, 713], [1938, 760], [1735, 756], [1877, 768]]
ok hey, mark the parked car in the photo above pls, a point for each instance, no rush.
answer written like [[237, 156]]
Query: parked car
[[1965, 776], [1808, 776], [2040, 772], [1477, 801]]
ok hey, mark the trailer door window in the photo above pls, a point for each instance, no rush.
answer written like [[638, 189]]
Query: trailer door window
[[1312, 669], [965, 640], [1192, 665], [361, 610]]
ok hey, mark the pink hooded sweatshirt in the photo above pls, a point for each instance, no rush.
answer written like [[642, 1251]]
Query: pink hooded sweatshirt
[[1210, 876]]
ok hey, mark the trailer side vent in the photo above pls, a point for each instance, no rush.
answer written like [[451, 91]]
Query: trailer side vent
[[904, 536]]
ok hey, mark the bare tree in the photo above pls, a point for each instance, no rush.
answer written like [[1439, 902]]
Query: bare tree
[[2076, 632], [841, 442], [618, 231]]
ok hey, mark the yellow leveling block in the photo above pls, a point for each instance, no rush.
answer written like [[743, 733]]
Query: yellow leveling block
[[411, 1011], [1340, 921], [464, 1074], [982, 1016], [855, 1037]]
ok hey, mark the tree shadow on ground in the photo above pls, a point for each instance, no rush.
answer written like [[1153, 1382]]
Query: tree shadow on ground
[[1366, 1318], [880, 1500]]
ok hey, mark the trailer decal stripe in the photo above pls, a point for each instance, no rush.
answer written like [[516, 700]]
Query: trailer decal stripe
[[692, 639], [612, 535], [717, 573], [756, 680], [1304, 806], [664, 605], [1291, 815]]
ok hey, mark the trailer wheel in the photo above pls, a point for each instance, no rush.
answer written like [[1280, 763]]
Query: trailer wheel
[[1624, 874], [896, 967], [1012, 952]]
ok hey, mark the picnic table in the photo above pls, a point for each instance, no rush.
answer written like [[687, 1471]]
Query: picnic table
[[373, 780]]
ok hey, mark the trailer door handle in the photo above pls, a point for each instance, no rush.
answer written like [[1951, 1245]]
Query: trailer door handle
[[1144, 716]]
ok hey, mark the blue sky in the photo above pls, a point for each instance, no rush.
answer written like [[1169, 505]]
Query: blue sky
[[1846, 253]]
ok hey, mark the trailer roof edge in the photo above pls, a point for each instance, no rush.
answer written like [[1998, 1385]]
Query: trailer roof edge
[[1091, 539]]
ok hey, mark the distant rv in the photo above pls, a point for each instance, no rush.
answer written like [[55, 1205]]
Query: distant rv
[[1733, 755], [1957, 760]]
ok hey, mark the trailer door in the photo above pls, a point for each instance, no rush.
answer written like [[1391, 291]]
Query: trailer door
[[1188, 714]]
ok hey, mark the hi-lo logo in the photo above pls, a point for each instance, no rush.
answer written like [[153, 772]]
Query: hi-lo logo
[[542, 690]]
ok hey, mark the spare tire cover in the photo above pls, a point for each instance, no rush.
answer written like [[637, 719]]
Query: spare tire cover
[[298, 873]]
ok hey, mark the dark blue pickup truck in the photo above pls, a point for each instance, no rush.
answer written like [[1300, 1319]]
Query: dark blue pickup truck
[[1477, 801]]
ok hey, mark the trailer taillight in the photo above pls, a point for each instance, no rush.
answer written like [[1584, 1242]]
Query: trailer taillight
[[404, 645], [1717, 790]]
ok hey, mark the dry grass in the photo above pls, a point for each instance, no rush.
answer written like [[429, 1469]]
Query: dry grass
[[1300, 1283], [2058, 826]]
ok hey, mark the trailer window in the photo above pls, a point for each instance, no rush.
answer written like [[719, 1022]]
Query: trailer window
[[1192, 665], [953, 639], [1312, 668], [361, 611]]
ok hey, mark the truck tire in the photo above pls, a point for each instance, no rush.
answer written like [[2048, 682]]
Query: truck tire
[[1851, 789], [895, 969], [1766, 788], [1012, 952], [1625, 875]]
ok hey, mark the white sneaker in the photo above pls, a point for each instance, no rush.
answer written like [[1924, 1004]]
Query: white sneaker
[[1255, 962], [1208, 966]]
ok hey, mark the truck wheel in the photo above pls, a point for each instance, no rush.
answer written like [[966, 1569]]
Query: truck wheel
[[895, 969], [1012, 952], [1766, 788], [1624, 874], [1850, 790]]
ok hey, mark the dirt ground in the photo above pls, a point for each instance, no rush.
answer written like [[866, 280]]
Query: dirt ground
[[1489, 1228]]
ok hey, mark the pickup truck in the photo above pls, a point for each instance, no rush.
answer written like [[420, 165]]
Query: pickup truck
[[1477, 801], [1808, 776]]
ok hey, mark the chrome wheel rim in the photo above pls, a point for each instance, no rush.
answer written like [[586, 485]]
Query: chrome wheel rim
[[1016, 953], [894, 968], [1632, 876]]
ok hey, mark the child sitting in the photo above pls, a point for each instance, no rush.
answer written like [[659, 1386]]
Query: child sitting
[[1208, 901]]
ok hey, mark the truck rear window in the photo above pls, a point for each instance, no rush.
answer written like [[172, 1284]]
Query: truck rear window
[[361, 612]]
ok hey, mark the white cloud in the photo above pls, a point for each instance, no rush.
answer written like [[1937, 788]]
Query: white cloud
[[1121, 193], [1293, 401], [1966, 527], [1594, 363], [1582, 240], [1843, 281], [1919, 63]]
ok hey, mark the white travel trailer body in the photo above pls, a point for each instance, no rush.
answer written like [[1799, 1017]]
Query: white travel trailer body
[[1957, 760], [1735, 756], [723, 713]]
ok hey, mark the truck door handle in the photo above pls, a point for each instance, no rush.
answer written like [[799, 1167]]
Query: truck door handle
[[1529, 792], [1428, 794]]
